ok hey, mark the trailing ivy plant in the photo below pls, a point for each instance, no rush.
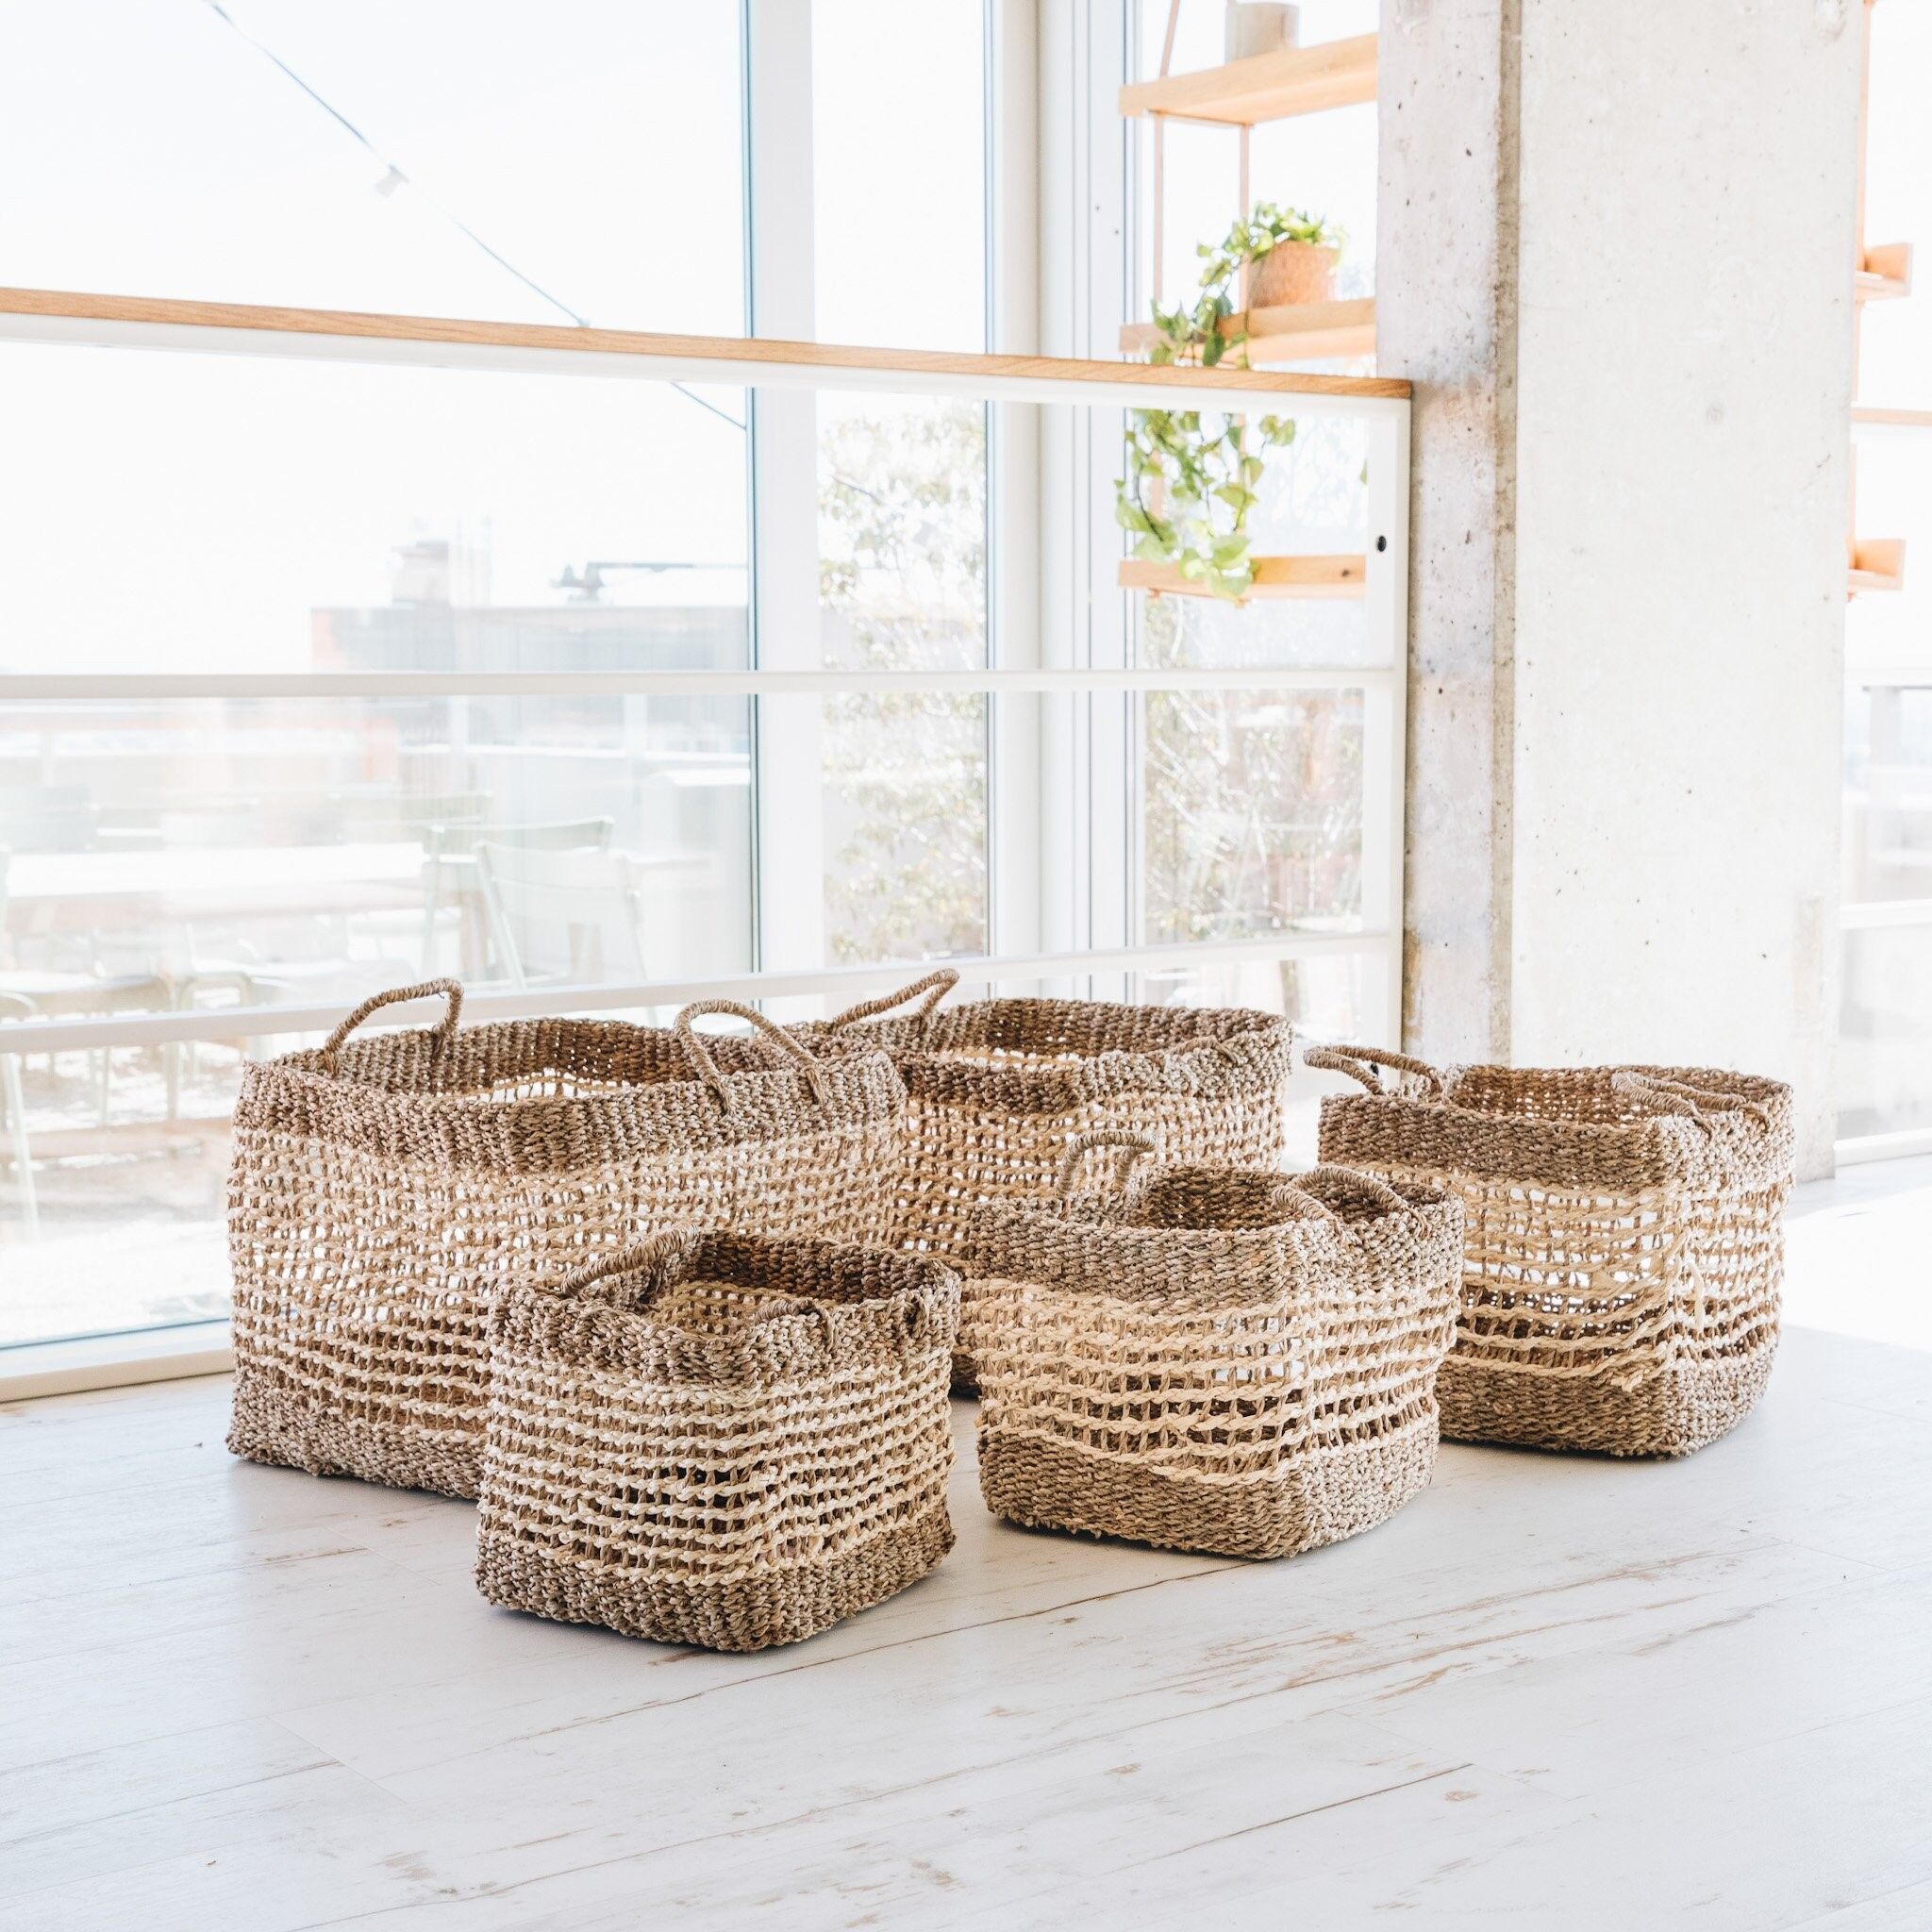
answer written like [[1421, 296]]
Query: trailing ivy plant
[[1208, 468], [1207, 465]]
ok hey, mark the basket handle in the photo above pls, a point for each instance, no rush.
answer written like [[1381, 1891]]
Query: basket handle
[[700, 1055], [1372, 1185], [1680, 1097], [439, 1035], [935, 986], [1359, 1063], [1135, 1147], [649, 1253]]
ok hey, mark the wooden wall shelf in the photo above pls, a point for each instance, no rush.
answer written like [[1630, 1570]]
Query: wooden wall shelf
[[1885, 272], [1878, 563], [1274, 576], [1265, 87], [1297, 332], [50, 315]]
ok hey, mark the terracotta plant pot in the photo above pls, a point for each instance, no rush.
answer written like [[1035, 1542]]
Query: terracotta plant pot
[[1293, 271]]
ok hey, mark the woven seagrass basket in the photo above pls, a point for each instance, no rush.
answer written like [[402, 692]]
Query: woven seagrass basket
[[1624, 1258], [382, 1190], [1213, 1358], [718, 1438], [999, 1088]]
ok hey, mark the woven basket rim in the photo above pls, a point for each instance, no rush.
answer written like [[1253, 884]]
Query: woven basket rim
[[946, 1056], [848, 1303], [413, 1047], [1136, 1259], [1750, 1143], [384, 1091]]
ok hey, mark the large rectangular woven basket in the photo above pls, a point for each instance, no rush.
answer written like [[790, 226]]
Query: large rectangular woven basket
[[1216, 1358], [383, 1190], [997, 1090], [719, 1439], [1624, 1257]]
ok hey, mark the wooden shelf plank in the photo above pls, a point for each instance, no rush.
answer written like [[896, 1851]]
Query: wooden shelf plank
[[1883, 416], [1884, 274], [1878, 563], [1299, 332], [1264, 87], [1274, 576], [66, 315]]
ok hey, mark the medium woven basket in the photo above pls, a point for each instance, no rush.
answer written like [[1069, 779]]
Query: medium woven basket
[[383, 1190], [999, 1088], [718, 1438], [1214, 1359], [1624, 1258]]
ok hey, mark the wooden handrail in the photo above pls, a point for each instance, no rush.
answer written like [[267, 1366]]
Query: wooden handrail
[[737, 358]]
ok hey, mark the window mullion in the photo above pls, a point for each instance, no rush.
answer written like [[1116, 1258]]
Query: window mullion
[[784, 493]]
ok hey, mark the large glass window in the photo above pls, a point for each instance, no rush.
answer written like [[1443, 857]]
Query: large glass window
[[1885, 1045], [579, 160], [321, 675]]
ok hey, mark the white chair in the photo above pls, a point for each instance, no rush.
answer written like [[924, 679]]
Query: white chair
[[14, 1008], [569, 917], [452, 883]]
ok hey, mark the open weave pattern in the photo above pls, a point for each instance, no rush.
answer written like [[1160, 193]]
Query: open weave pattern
[[381, 1194], [719, 1439], [999, 1088], [1624, 1255], [1215, 1363]]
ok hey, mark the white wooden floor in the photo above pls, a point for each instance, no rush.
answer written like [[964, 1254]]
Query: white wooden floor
[[1553, 1694]]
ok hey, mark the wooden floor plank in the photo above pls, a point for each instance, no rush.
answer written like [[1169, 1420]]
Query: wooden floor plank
[[1553, 1691]]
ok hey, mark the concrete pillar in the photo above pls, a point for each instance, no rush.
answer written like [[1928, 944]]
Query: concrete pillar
[[1614, 254]]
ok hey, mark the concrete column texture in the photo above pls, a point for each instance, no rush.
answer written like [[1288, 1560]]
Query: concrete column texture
[[1614, 254]]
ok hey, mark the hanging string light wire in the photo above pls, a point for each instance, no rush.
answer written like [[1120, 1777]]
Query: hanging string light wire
[[395, 176]]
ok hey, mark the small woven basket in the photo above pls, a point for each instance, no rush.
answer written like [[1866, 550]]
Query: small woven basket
[[719, 1439], [999, 1088], [382, 1190], [1214, 1359], [1624, 1258]]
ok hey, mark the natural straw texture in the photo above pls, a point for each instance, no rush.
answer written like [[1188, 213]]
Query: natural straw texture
[[1624, 1257], [719, 1439], [999, 1088], [382, 1191], [1217, 1359]]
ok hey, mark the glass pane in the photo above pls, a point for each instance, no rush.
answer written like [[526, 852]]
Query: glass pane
[[166, 854], [1888, 838], [905, 825], [1331, 997], [1251, 809], [899, 172], [222, 513], [1894, 336], [1893, 475], [902, 533], [1327, 996], [1313, 502], [127, 1151], [1885, 1031], [171, 156]]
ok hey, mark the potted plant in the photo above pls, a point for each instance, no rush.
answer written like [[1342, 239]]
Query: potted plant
[[1191, 476], [1190, 484], [1293, 257], [1298, 262]]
